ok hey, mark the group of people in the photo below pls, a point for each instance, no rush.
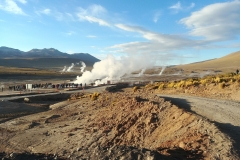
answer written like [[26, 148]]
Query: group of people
[[23, 87], [17, 87]]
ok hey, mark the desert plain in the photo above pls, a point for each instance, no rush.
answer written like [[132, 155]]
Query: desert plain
[[188, 112]]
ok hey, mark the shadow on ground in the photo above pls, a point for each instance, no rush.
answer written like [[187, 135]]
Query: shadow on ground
[[117, 152], [28, 156], [133, 153], [232, 131]]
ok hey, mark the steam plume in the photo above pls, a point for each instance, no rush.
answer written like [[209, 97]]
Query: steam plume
[[163, 68], [64, 69], [70, 68], [113, 69], [83, 66], [142, 71]]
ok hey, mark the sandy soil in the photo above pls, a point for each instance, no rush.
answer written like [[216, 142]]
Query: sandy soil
[[223, 113], [117, 125]]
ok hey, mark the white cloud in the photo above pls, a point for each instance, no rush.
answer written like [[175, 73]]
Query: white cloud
[[176, 6], [91, 36], [92, 14], [234, 45], [22, 1], [60, 16], [69, 16], [156, 42], [96, 20], [220, 21], [70, 33], [96, 9], [156, 16], [45, 11], [12, 7], [191, 6]]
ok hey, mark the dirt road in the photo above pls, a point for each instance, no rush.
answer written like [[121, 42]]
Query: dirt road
[[225, 114], [11, 95]]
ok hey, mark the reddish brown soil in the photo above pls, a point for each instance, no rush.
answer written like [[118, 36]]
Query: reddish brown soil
[[120, 125]]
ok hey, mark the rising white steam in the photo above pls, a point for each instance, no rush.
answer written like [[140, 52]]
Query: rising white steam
[[83, 66], [70, 68], [162, 70], [142, 71], [64, 69], [113, 69]]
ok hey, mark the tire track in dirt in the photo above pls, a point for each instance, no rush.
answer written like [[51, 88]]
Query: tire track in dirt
[[224, 113]]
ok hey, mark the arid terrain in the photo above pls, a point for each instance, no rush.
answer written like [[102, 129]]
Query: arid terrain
[[190, 115], [123, 123]]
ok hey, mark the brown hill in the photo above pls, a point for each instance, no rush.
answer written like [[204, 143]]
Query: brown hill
[[42, 54], [228, 63], [41, 63]]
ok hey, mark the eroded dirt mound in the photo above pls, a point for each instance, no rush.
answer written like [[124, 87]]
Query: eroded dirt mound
[[126, 152], [147, 121], [27, 156], [121, 125]]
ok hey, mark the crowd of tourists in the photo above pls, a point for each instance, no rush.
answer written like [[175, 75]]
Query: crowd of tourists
[[22, 87]]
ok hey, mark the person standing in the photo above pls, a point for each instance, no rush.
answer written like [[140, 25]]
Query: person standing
[[237, 71]]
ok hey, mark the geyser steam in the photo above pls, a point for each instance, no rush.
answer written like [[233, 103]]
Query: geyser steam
[[142, 71], [70, 68], [64, 69], [162, 70], [83, 66], [113, 69]]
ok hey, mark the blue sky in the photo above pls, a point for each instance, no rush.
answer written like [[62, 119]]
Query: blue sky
[[173, 32]]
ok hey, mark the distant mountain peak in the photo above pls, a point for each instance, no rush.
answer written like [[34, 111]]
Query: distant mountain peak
[[3, 47], [34, 50], [9, 51], [50, 49], [44, 49], [6, 52]]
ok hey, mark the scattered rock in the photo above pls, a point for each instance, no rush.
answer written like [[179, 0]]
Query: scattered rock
[[182, 145], [33, 124], [26, 100], [48, 120], [13, 155]]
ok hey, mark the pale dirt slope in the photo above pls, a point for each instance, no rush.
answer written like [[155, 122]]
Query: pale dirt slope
[[227, 63], [120, 125]]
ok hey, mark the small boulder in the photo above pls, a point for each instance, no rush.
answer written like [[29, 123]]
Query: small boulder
[[182, 145], [26, 100], [13, 155]]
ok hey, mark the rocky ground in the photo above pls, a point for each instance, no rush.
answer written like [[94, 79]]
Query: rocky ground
[[120, 124]]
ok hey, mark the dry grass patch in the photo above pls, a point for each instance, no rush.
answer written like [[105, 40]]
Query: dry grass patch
[[223, 80], [222, 85]]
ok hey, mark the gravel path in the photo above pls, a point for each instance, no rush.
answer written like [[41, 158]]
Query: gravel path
[[225, 114], [10, 96]]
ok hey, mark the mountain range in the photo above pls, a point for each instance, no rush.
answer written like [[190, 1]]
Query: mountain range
[[53, 59], [6, 52], [42, 58]]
